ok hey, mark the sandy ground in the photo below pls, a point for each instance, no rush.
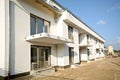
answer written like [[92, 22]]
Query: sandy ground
[[102, 69]]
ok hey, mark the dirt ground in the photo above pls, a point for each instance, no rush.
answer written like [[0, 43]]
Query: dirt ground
[[101, 69]]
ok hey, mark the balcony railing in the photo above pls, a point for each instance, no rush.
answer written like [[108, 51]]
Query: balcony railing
[[54, 5], [89, 43]]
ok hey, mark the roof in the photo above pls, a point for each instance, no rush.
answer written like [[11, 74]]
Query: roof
[[71, 14]]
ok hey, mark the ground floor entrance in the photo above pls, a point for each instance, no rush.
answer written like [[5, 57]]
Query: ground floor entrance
[[40, 57], [71, 55]]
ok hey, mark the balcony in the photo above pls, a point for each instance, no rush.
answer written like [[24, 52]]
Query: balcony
[[98, 46], [71, 19], [47, 38], [52, 5], [87, 43]]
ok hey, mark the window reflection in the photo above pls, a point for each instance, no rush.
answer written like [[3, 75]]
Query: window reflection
[[33, 25], [70, 32], [39, 25], [46, 26]]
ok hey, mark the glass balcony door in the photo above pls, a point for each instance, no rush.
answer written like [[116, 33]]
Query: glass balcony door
[[40, 57]]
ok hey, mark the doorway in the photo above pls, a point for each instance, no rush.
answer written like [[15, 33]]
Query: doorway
[[71, 55], [80, 51], [40, 57]]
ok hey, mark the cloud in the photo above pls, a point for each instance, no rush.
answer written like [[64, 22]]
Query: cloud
[[115, 44], [116, 7], [101, 22]]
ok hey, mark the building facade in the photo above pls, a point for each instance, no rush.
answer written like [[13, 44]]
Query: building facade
[[41, 34], [110, 50]]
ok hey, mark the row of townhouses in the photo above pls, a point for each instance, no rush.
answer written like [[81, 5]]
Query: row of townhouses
[[37, 35]]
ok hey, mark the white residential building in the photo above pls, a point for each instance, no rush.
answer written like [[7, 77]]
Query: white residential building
[[41, 34]]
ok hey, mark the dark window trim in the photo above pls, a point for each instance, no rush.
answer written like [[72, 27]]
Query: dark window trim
[[70, 32], [39, 17], [36, 17]]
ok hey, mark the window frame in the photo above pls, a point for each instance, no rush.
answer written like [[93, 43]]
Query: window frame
[[36, 25], [70, 32], [38, 55]]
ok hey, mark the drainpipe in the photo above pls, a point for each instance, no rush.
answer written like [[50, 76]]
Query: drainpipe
[[56, 55], [8, 75], [8, 11]]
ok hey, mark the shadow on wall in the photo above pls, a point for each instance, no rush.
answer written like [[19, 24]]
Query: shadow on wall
[[12, 38], [3, 72], [5, 75]]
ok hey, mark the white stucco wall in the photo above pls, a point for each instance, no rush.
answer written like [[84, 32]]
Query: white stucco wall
[[4, 37], [53, 55], [84, 55], [66, 55], [61, 27], [19, 48], [83, 39], [76, 45], [60, 55], [20, 28]]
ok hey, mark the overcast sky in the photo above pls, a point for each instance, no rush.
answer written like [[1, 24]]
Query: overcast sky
[[103, 16]]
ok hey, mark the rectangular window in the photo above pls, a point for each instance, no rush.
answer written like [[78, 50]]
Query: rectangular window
[[88, 37], [46, 26], [70, 32], [38, 25], [34, 58], [33, 25]]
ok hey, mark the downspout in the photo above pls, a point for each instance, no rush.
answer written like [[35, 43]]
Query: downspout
[[9, 42], [56, 56]]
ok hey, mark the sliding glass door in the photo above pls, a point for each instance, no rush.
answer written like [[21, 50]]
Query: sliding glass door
[[40, 57]]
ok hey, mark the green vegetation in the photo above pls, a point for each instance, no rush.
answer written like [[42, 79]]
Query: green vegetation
[[117, 52]]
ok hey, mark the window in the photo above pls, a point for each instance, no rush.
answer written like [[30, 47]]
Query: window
[[46, 27], [97, 50], [34, 54], [88, 52], [96, 41], [33, 25], [38, 25], [70, 32]]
